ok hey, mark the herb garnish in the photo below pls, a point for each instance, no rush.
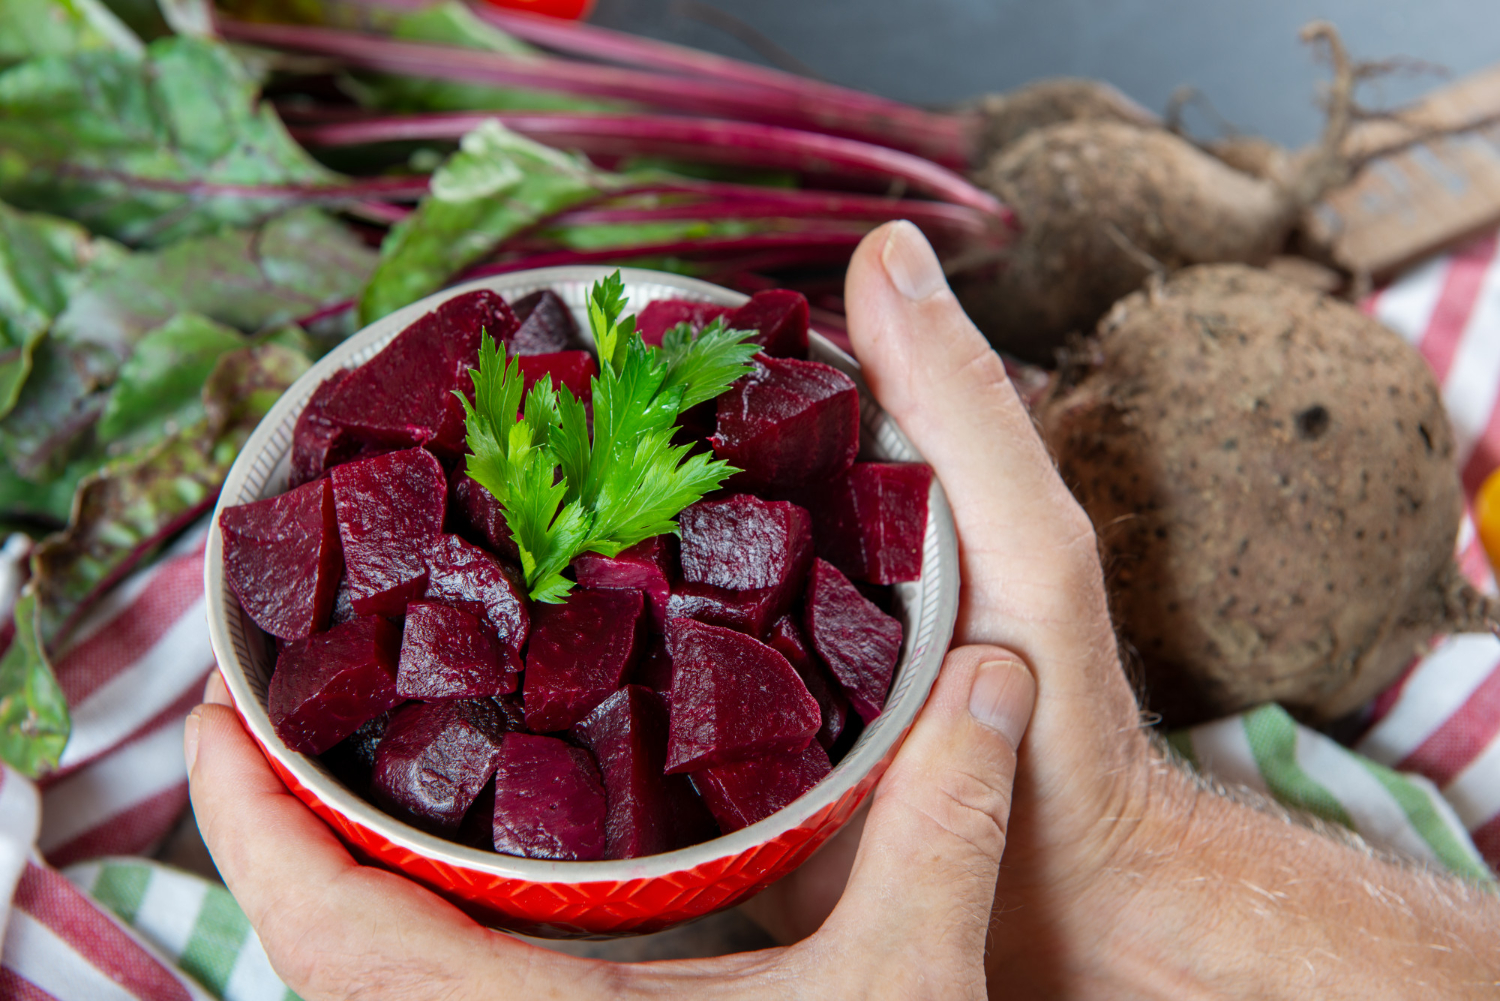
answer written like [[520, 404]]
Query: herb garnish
[[564, 491]]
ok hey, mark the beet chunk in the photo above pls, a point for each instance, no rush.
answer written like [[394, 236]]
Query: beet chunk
[[318, 444], [549, 800], [787, 640], [644, 566], [462, 574], [662, 315], [788, 424], [389, 508], [750, 612], [648, 812], [474, 512], [572, 369], [547, 325], [871, 521], [446, 653], [780, 318], [353, 758], [580, 652], [404, 395], [434, 760], [326, 686], [743, 543], [733, 698], [283, 559], [739, 794], [858, 642]]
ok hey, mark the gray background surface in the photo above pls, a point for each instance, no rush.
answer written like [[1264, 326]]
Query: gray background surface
[[1243, 55]]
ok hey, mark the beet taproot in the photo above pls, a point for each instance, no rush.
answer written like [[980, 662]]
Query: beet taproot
[[1273, 478], [1006, 117]]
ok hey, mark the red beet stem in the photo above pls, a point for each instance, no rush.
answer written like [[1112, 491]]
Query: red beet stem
[[712, 98], [796, 246], [705, 140], [947, 138]]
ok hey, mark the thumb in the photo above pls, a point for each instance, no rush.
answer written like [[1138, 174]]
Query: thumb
[[919, 897]]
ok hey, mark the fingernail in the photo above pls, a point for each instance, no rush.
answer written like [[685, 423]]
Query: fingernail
[[1001, 698], [190, 738], [910, 263]]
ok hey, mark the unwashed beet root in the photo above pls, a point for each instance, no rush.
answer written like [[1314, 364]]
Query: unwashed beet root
[[859, 643], [1009, 116], [788, 423], [787, 640], [318, 444], [648, 812], [663, 314], [447, 653], [1272, 475], [549, 800], [571, 369], [645, 566], [283, 559], [733, 698], [744, 792], [389, 509], [326, 686], [462, 574], [580, 653], [547, 325], [871, 521], [434, 760], [779, 317], [474, 512]]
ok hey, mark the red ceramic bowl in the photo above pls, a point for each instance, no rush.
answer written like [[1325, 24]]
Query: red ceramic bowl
[[576, 899]]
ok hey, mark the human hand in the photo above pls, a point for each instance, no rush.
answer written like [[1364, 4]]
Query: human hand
[[912, 921]]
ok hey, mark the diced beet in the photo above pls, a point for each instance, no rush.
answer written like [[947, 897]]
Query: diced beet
[[788, 424], [733, 698], [662, 315], [744, 543], [477, 829], [780, 316], [858, 642], [318, 444], [580, 653], [871, 521], [654, 669], [752, 612], [512, 711], [447, 653], [549, 800], [353, 758], [283, 559], [434, 760], [742, 793], [404, 395], [572, 369], [787, 640], [648, 812], [326, 686], [475, 513], [645, 566], [460, 573], [389, 509], [547, 325]]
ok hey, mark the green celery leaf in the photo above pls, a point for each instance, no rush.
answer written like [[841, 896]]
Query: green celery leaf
[[706, 364], [160, 387], [131, 147], [30, 28], [489, 420], [611, 333], [646, 487], [34, 720], [497, 184], [547, 538]]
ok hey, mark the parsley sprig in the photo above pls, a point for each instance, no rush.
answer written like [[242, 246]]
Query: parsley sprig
[[566, 491]]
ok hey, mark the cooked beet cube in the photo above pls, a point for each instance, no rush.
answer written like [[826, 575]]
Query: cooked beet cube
[[475, 513], [434, 760], [461, 574], [447, 653], [404, 395], [858, 642], [389, 509], [512, 711], [283, 559], [645, 566], [787, 640], [572, 369], [751, 612], [733, 698], [326, 686], [663, 314], [547, 325], [353, 758], [318, 444], [648, 812], [871, 521], [780, 317], [743, 543], [580, 653], [549, 800], [739, 794], [789, 423]]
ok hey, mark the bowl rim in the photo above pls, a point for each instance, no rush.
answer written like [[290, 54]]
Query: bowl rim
[[890, 728]]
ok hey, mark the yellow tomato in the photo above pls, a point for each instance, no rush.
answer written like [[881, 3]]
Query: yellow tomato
[[1487, 517]]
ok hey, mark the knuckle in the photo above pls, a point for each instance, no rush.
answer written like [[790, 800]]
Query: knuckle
[[970, 807]]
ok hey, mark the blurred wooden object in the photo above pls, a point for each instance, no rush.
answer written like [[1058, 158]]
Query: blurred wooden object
[[1432, 180]]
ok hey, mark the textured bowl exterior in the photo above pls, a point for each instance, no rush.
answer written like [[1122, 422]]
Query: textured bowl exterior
[[582, 899]]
